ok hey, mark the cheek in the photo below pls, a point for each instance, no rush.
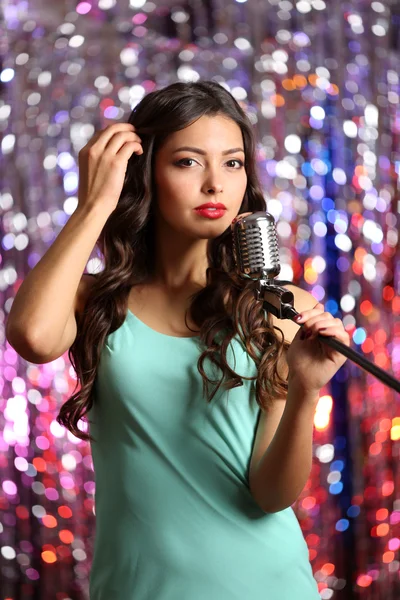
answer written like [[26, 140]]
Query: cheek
[[240, 187], [173, 192]]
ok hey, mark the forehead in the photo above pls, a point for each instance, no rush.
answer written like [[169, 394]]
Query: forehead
[[211, 133]]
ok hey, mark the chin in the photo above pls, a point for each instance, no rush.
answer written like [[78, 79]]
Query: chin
[[202, 230], [211, 232]]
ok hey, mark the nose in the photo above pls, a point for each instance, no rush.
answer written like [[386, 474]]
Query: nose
[[214, 189], [213, 181], [213, 186]]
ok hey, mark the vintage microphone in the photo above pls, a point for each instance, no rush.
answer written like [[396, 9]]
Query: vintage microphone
[[256, 253]]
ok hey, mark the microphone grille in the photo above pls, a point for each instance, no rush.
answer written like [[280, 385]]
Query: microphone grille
[[255, 246]]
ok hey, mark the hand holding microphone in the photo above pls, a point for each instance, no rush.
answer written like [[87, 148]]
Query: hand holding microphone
[[256, 254], [311, 363]]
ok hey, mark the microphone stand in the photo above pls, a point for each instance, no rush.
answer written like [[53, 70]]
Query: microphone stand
[[279, 301]]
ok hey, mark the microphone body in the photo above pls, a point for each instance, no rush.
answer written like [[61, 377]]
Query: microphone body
[[256, 254]]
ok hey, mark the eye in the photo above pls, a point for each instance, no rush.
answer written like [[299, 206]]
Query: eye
[[236, 160], [179, 163]]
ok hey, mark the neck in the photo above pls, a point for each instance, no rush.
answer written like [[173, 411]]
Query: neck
[[180, 262]]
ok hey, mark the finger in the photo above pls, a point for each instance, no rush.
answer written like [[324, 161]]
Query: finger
[[321, 322], [102, 137], [239, 217], [305, 315], [120, 126], [130, 148], [119, 139], [339, 333], [322, 316], [308, 332]]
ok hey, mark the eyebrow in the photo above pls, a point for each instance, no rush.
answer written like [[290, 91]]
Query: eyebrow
[[200, 151]]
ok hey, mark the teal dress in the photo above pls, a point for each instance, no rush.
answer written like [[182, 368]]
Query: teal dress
[[175, 519]]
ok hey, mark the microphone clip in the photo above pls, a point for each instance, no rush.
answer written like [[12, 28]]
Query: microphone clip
[[276, 299]]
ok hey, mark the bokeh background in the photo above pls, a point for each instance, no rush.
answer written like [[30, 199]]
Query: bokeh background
[[320, 83]]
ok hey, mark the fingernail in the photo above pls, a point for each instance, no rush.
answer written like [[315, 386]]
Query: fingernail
[[298, 318]]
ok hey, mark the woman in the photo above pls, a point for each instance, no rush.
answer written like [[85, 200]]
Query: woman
[[194, 481]]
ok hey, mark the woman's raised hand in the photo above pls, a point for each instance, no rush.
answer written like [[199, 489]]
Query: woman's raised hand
[[103, 163]]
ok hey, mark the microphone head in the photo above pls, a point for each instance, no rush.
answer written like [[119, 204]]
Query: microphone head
[[255, 246]]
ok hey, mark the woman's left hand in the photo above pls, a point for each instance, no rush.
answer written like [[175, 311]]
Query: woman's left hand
[[312, 364]]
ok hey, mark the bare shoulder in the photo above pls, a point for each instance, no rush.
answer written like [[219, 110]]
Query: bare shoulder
[[303, 300], [84, 288]]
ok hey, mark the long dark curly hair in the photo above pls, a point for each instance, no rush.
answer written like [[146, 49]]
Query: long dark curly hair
[[127, 245]]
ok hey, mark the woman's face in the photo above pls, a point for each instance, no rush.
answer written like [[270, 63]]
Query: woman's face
[[212, 170]]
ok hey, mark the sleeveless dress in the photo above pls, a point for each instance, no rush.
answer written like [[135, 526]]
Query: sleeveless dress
[[175, 519]]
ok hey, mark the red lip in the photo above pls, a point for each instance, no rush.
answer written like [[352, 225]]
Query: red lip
[[211, 205]]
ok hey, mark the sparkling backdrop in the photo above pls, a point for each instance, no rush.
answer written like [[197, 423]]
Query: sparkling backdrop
[[320, 83]]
